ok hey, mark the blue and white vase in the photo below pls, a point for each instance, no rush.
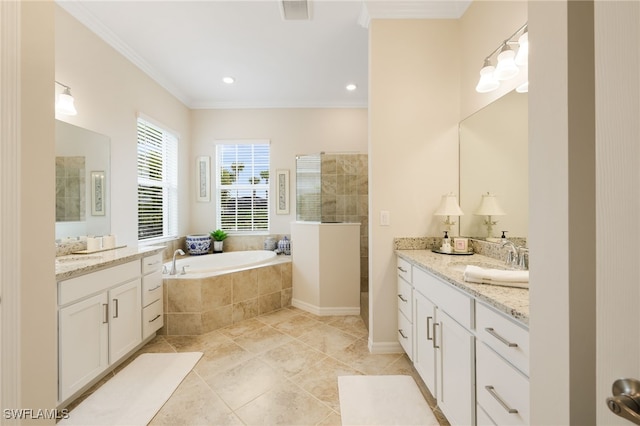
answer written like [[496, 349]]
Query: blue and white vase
[[198, 244], [284, 245]]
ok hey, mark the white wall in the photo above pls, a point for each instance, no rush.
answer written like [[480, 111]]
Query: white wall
[[109, 92], [291, 132], [413, 147]]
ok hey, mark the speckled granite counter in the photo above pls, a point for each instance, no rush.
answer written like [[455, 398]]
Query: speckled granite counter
[[74, 265], [512, 301]]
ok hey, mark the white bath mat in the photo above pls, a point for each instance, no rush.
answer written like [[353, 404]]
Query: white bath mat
[[135, 394], [383, 400]]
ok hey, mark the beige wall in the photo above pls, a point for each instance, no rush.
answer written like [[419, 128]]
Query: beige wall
[[291, 132], [38, 369], [109, 92], [413, 146]]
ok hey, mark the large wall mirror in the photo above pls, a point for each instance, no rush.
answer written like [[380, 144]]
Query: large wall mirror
[[82, 182], [494, 158]]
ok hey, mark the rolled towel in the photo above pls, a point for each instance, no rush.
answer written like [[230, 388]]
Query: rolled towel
[[477, 274]]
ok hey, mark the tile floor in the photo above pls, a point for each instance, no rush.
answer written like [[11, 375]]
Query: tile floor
[[278, 368]]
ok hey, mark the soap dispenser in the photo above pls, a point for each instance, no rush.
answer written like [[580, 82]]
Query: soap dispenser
[[446, 244], [503, 238]]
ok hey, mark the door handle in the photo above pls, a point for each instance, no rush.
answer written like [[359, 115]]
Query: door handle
[[625, 401]]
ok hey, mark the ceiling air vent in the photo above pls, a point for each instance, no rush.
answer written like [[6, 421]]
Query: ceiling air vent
[[295, 10]]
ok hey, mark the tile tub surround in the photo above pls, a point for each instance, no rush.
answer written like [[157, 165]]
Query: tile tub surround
[[194, 306], [512, 301]]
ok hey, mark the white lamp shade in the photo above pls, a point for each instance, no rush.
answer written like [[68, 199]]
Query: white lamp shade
[[506, 67], [522, 58], [489, 206], [449, 206], [487, 81], [65, 104]]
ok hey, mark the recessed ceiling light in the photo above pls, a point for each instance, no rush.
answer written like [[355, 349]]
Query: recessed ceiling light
[[229, 80], [351, 87]]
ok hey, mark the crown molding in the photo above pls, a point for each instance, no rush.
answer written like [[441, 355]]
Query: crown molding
[[78, 11], [421, 9]]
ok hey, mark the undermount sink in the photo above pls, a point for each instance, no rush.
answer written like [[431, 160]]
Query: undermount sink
[[461, 266]]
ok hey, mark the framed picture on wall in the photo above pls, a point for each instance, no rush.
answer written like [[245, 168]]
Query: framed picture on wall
[[282, 191], [97, 193], [203, 179]]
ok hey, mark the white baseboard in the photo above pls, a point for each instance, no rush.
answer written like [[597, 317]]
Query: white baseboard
[[324, 312], [385, 347]]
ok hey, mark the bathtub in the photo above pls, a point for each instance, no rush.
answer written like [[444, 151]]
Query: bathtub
[[221, 289], [230, 261]]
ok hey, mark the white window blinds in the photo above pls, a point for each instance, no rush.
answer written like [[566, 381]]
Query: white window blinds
[[242, 186], [157, 182]]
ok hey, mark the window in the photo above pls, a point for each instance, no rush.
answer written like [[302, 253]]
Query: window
[[242, 185], [157, 181]]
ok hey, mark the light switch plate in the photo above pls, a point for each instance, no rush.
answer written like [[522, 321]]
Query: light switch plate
[[385, 218]]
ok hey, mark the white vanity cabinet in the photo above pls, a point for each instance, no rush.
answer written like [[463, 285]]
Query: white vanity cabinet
[[152, 308], [473, 357], [502, 360], [99, 321], [405, 307], [444, 354]]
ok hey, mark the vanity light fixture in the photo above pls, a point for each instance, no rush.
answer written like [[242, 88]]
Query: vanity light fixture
[[507, 61], [449, 207], [489, 207], [64, 104], [351, 87]]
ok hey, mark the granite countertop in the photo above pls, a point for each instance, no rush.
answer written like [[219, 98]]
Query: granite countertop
[[73, 265], [512, 301]]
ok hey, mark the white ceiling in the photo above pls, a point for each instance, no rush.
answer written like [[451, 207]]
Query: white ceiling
[[188, 46]]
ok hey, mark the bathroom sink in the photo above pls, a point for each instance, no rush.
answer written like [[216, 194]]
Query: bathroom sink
[[461, 266]]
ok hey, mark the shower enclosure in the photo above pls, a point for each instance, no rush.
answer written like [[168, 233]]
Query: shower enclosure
[[331, 200]]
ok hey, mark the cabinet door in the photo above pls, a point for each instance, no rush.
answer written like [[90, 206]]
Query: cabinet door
[[424, 351], [83, 331], [456, 371], [125, 322]]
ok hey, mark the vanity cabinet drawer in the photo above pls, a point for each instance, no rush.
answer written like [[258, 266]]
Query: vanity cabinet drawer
[[152, 319], [455, 303], [404, 270], [151, 288], [152, 263], [95, 282], [405, 298], [502, 391], [405, 334], [503, 336]]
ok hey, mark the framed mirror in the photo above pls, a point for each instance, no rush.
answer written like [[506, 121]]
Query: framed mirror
[[494, 159], [82, 182]]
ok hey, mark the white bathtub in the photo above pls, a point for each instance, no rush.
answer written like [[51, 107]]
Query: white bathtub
[[221, 262]]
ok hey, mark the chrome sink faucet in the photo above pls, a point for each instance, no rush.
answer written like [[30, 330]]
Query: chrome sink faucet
[[173, 262], [517, 257]]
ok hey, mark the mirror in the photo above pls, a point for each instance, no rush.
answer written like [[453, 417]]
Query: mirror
[[82, 182], [494, 158]]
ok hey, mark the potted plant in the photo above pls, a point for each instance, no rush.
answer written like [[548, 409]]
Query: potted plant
[[218, 237]]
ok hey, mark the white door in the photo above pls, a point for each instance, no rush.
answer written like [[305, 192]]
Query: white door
[[83, 339], [125, 322], [617, 198]]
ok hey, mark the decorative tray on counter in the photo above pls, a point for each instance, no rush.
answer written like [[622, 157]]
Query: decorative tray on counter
[[453, 253]]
